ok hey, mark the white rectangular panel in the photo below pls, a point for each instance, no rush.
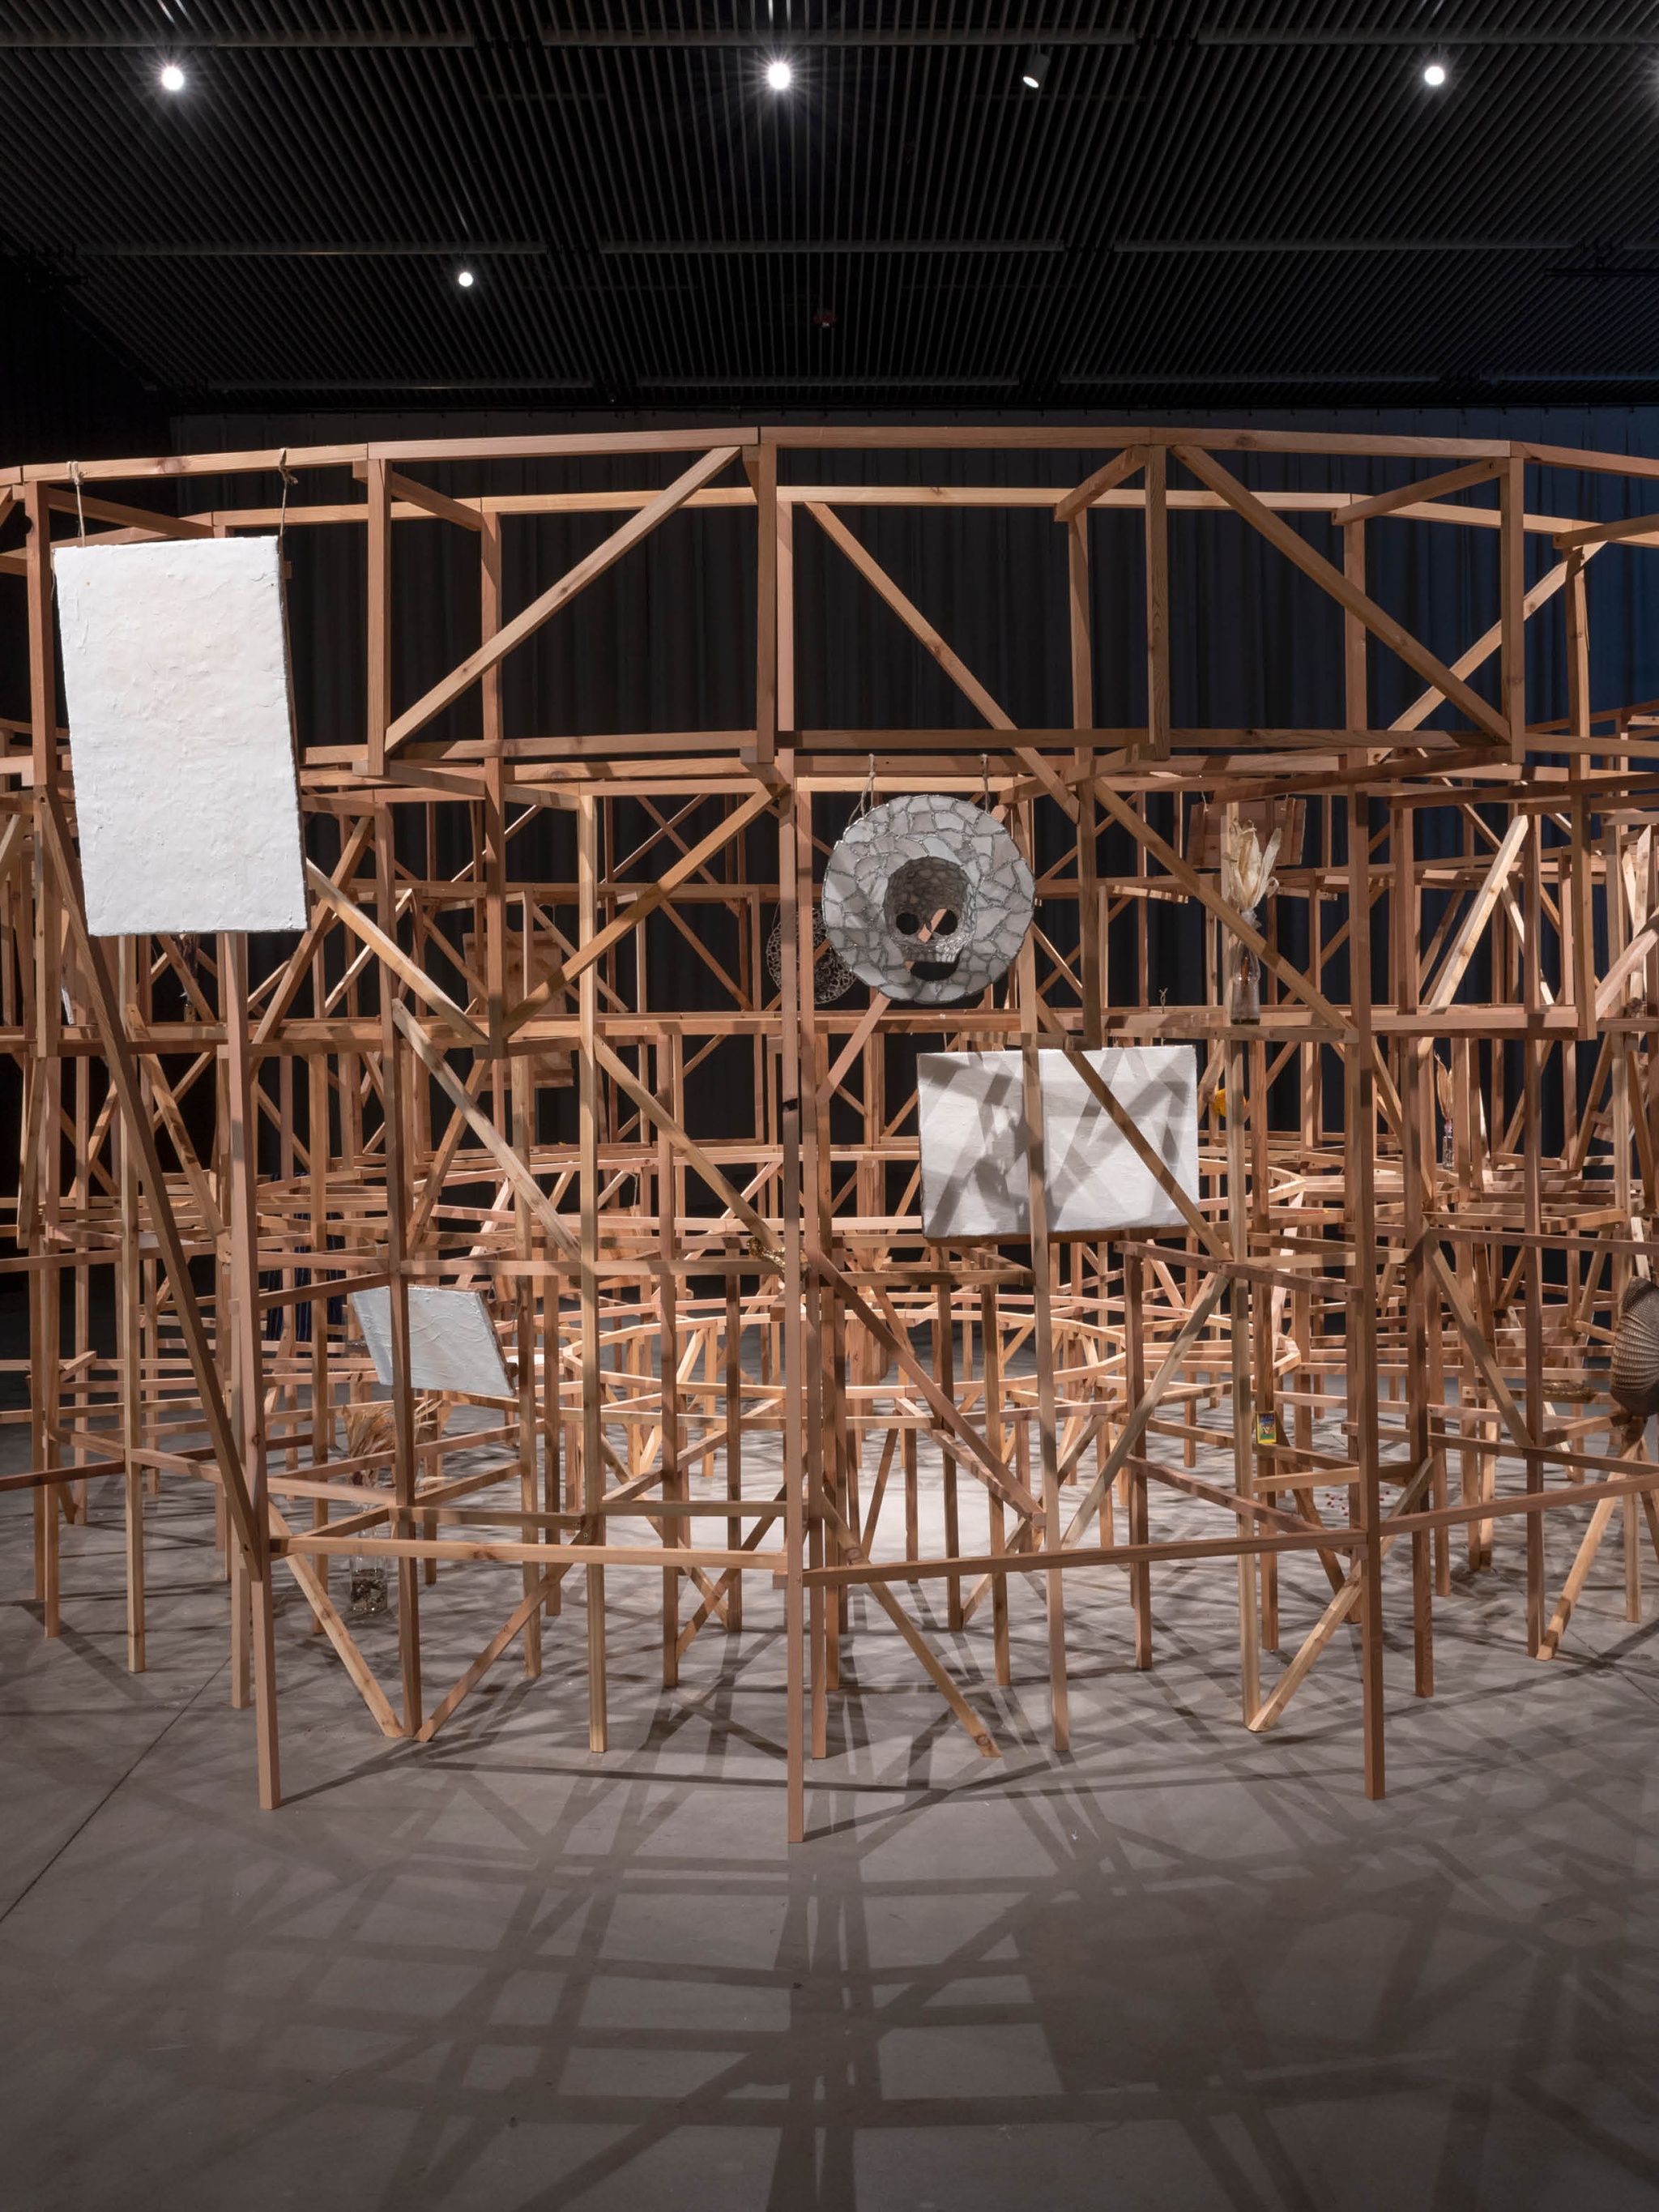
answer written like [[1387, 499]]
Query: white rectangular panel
[[452, 1340], [972, 1113], [181, 735]]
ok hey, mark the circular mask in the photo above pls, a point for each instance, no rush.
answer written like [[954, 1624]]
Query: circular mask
[[928, 899], [831, 978]]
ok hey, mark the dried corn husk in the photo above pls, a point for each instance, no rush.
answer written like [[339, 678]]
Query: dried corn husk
[[369, 1426], [1247, 876]]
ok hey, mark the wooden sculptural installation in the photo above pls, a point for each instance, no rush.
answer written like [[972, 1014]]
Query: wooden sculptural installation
[[236, 1137]]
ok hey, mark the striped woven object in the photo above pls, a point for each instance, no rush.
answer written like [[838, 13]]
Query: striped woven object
[[1635, 1365]]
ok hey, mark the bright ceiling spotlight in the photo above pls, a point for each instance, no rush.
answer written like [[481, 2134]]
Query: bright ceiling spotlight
[[464, 279], [1035, 68], [173, 78], [1435, 76], [780, 76]]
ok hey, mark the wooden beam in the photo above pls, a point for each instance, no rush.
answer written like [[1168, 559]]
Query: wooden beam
[[294, 972], [994, 1470], [950, 660], [651, 897], [1135, 1426], [392, 956], [526, 624], [1104, 479], [1425, 488], [511, 1165], [653, 1107], [1381, 624], [1608, 533], [123, 1075], [1158, 1169], [1444, 989]]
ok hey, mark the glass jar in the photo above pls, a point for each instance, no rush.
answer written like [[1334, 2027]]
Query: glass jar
[[1244, 978], [368, 1586]]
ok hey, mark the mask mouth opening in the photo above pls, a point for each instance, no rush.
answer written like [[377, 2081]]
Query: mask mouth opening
[[929, 906]]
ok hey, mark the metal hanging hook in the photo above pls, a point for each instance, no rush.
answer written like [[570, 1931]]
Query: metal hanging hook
[[867, 796], [287, 477]]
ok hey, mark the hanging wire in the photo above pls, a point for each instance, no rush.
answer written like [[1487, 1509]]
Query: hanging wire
[[985, 782], [867, 796], [288, 475], [75, 474]]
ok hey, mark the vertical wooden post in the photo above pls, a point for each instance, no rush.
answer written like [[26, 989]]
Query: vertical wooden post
[[1412, 1167], [1134, 1389], [793, 1288], [129, 1325], [494, 825], [43, 1073], [732, 1345], [945, 1373], [674, 1484], [523, 1331], [1583, 861], [1243, 1387], [1360, 1147], [379, 614], [763, 475], [1060, 1702], [397, 1260], [819, 1318], [1090, 963], [991, 1361], [247, 1335], [594, 1485], [1157, 604], [1512, 615], [1535, 1050], [317, 1138]]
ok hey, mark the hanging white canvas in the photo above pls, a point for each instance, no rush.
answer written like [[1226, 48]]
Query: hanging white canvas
[[452, 1340], [181, 735], [972, 1113]]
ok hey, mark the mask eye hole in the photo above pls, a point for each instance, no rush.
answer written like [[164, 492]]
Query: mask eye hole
[[928, 900]]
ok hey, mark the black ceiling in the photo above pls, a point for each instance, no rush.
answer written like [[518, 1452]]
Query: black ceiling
[[1221, 201]]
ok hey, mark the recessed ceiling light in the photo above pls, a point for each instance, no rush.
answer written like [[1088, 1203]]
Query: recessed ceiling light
[[1035, 68], [464, 279], [173, 78], [1435, 74], [780, 76]]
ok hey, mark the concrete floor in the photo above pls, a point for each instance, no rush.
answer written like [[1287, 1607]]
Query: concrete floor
[[1180, 1969]]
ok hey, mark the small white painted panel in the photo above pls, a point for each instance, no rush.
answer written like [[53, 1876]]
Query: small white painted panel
[[452, 1340], [181, 735], [972, 1111]]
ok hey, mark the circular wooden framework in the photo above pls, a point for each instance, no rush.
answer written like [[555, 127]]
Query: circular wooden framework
[[733, 1349]]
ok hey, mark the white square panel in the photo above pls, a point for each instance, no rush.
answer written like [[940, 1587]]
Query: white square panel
[[181, 735], [452, 1344], [973, 1175]]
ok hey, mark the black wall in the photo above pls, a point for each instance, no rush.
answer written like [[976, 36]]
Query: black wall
[[63, 394]]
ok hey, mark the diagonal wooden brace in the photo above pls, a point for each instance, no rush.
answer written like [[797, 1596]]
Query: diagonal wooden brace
[[124, 1078], [992, 1469]]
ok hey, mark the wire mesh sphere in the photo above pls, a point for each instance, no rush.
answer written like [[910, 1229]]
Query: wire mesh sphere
[[832, 978], [928, 899], [1634, 1377]]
